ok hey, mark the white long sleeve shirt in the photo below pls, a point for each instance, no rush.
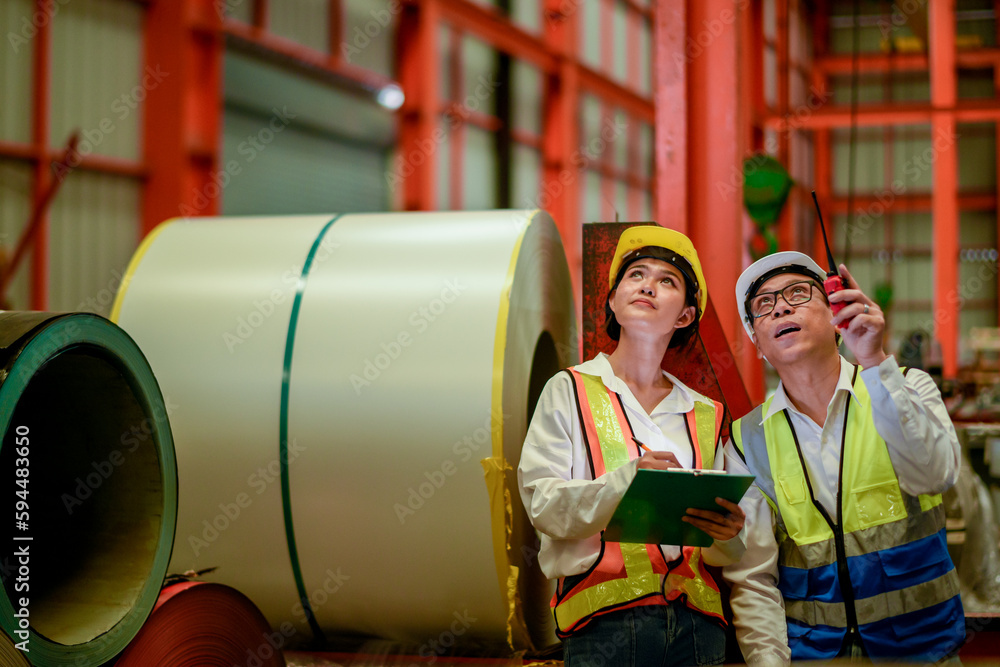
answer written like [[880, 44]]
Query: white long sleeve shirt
[[909, 415], [569, 508]]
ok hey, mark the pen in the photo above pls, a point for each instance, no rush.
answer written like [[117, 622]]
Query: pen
[[643, 446]]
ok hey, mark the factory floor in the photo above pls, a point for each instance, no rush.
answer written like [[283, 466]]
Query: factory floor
[[301, 659], [296, 659]]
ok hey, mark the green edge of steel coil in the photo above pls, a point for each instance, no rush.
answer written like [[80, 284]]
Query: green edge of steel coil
[[54, 335]]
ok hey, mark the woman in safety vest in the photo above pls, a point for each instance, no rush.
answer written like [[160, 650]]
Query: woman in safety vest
[[594, 426]]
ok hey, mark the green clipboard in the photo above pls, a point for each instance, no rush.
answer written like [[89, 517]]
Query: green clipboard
[[650, 511]]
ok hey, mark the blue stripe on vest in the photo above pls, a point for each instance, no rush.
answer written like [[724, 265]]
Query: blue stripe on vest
[[900, 567], [819, 584], [814, 642], [928, 634], [891, 569]]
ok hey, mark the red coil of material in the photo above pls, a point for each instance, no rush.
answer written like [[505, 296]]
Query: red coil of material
[[201, 624]]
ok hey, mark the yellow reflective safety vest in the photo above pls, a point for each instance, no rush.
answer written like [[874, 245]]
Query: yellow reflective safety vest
[[880, 569], [632, 575]]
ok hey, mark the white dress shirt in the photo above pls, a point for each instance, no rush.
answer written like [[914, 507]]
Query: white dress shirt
[[909, 415], [569, 508]]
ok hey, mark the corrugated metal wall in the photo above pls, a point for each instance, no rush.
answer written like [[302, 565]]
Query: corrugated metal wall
[[368, 34], [15, 125], [96, 76], [292, 144], [15, 206], [94, 231], [96, 88], [301, 170], [15, 70], [305, 22]]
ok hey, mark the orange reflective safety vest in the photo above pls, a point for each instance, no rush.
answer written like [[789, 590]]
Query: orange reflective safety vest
[[634, 575]]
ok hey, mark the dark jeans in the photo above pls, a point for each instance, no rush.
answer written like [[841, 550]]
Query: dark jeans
[[669, 635]]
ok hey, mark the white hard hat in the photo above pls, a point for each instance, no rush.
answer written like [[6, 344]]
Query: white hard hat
[[763, 269]]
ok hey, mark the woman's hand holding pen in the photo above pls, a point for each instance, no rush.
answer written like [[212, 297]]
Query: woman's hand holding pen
[[658, 461], [655, 460], [720, 526]]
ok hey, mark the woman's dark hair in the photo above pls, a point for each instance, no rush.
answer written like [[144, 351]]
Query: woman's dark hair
[[680, 338]]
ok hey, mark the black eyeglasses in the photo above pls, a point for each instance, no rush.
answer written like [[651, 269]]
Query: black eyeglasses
[[794, 294]]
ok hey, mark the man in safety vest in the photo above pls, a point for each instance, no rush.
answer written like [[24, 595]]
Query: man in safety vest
[[593, 427], [848, 549]]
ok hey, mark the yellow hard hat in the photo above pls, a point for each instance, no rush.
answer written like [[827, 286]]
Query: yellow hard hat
[[679, 251]]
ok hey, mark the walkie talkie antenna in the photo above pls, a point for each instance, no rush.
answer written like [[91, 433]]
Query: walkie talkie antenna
[[834, 281], [829, 255]]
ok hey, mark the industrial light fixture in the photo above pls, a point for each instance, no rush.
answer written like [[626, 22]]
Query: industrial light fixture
[[391, 97]]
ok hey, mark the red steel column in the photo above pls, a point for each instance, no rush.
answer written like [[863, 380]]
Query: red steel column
[[419, 76], [39, 287], [560, 190], [670, 74], [716, 213], [182, 112], [754, 109], [944, 199], [694, 187], [788, 236]]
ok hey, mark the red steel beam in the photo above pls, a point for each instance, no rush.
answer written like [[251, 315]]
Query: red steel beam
[[335, 30], [38, 213], [100, 163], [19, 151], [635, 105], [872, 63], [41, 105], [941, 18], [751, 24], [875, 204], [495, 29], [181, 116], [787, 232], [834, 116], [671, 129], [420, 79], [560, 189], [261, 15], [713, 127], [315, 63]]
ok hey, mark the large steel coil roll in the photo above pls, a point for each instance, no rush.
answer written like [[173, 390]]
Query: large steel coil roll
[[91, 487], [352, 394]]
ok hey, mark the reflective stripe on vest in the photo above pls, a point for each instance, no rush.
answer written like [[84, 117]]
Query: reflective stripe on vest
[[628, 575], [888, 546]]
